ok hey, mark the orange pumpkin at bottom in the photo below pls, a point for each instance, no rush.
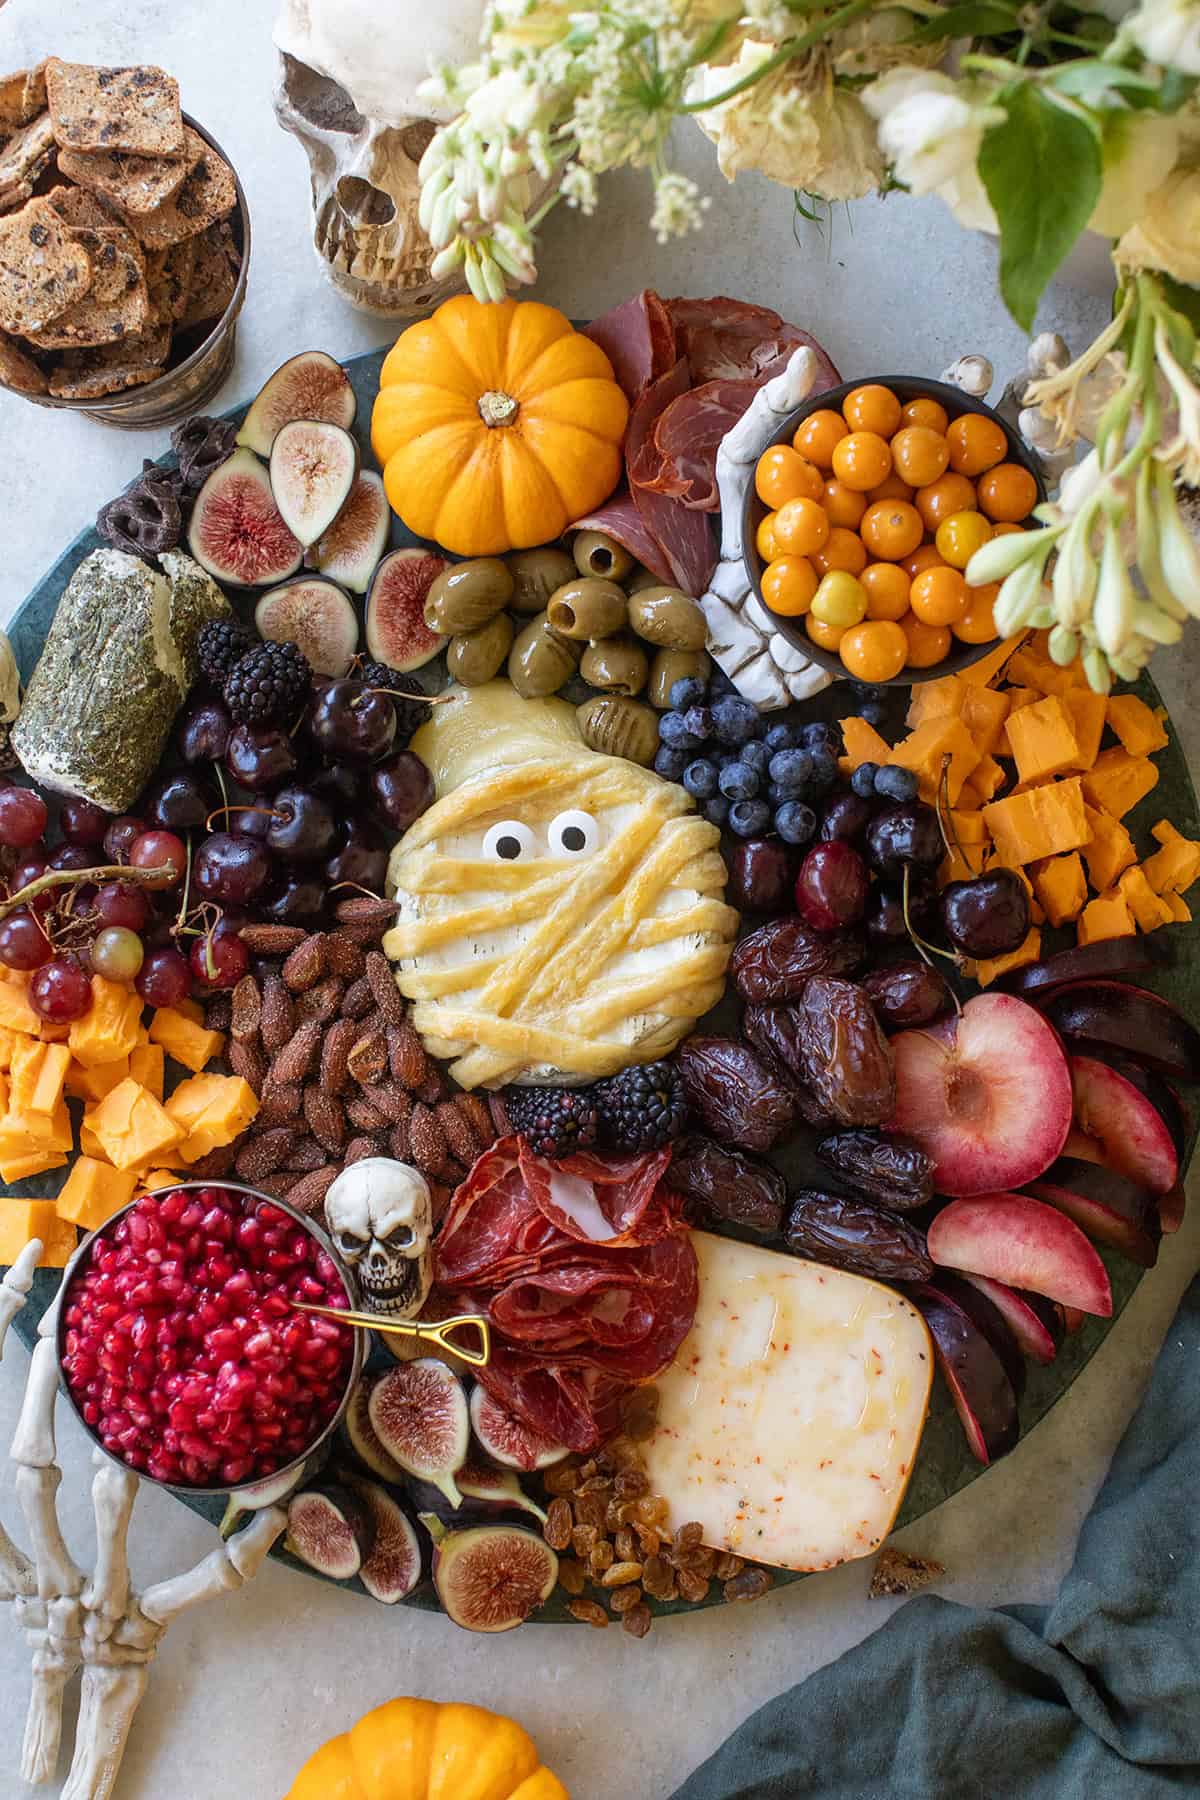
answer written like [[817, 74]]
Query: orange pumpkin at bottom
[[427, 1750], [496, 426]]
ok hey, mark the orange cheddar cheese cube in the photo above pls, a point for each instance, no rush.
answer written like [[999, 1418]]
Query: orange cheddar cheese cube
[[1139, 729], [1047, 821], [968, 827], [1042, 739], [89, 1143], [862, 744], [92, 1084], [1107, 916], [158, 1178], [132, 1127], [993, 967], [185, 1038], [22, 1133], [1181, 912], [34, 1162], [1061, 887], [941, 749], [1086, 712], [7, 1040], [21, 1220], [108, 1031], [191, 1009], [1116, 781], [93, 1192], [209, 1111], [988, 777], [23, 1070], [984, 711], [1107, 851], [983, 672], [936, 700], [147, 1065], [51, 1079], [1149, 911], [15, 1011], [1175, 866]]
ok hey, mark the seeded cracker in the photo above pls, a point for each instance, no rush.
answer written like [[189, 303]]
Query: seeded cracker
[[134, 109], [75, 206], [43, 270], [18, 372], [88, 374], [27, 155], [136, 183], [215, 275], [169, 278], [117, 304], [22, 97], [15, 195], [208, 193]]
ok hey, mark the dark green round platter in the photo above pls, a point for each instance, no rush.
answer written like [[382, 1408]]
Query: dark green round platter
[[944, 1465]]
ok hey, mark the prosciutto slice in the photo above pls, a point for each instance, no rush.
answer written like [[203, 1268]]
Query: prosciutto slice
[[730, 340], [586, 1273], [638, 338]]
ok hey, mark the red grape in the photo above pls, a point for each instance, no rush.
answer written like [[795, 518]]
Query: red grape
[[74, 856], [164, 979], [831, 888], [154, 850], [23, 817], [117, 953], [120, 903], [82, 823], [23, 943], [219, 961], [32, 864], [60, 991]]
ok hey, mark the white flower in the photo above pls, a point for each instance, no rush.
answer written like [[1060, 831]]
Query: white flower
[[1168, 32], [1167, 235], [930, 128], [1139, 153], [579, 188], [678, 206]]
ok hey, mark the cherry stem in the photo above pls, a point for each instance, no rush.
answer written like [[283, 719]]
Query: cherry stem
[[921, 945], [162, 876], [227, 812], [369, 893]]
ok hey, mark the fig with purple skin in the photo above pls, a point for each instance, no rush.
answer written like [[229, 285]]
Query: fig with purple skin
[[364, 1439], [331, 1530], [314, 465], [491, 1577], [312, 612], [419, 1414], [237, 533], [486, 1493], [507, 1440], [354, 543], [397, 634], [310, 385], [392, 1567]]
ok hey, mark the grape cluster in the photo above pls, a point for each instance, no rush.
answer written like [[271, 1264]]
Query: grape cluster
[[746, 774]]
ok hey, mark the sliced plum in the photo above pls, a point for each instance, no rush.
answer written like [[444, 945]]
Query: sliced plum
[[354, 543], [491, 1577], [1025, 1243], [1171, 1209], [314, 466], [1035, 1322], [1109, 1208], [987, 1317], [419, 1413], [1087, 962], [509, 1441], [331, 1530], [237, 532], [1114, 1015], [974, 1375], [397, 634], [313, 612], [1132, 1135], [363, 1437], [308, 386], [392, 1568]]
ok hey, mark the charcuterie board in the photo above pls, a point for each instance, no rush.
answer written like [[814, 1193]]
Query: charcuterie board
[[944, 1465]]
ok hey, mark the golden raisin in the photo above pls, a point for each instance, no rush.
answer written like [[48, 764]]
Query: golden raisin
[[625, 1546], [631, 1484], [658, 1578], [571, 1576], [640, 1413], [624, 1599], [591, 1508], [688, 1537], [601, 1557], [699, 1561], [563, 1478], [557, 1529], [584, 1539], [650, 1539], [751, 1584], [653, 1510], [612, 1515], [637, 1621], [728, 1565], [692, 1588], [620, 1573], [588, 1613]]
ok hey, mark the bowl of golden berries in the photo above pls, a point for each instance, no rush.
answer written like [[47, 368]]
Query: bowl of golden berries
[[863, 515]]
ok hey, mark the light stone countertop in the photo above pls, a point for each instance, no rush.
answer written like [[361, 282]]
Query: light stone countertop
[[243, 1690]]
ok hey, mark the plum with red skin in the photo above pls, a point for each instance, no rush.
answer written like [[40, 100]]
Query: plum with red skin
[[1035, 1322], [1115, 1015], [1022, 1242], [982, 1393], [1106, 958], [987, 1317], [1128, 1130], [1109, 1208]]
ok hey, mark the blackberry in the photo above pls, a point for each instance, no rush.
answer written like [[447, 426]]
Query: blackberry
[[553, 1121], [410, 713], [268, 685], [220, 644], [642, 1108]]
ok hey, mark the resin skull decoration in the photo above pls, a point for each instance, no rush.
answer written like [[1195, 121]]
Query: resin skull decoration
[[380, 1216], [348, 80]]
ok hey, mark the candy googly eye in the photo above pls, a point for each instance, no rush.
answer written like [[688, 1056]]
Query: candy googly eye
[[573, 834], [508, 841]]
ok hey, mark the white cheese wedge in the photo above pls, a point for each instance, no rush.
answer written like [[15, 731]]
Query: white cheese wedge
[[789, 1422]]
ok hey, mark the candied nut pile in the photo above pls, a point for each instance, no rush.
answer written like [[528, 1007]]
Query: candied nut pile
[[320, 1032], [621, 1545]]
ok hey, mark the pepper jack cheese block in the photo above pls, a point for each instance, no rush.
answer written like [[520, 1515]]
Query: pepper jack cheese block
[[789, 1422]]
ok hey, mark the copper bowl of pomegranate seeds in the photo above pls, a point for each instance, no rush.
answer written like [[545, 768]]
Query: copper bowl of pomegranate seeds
[[179, 1346]]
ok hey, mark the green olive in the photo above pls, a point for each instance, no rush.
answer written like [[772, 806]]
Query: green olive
[[467, 594], [587, 608], [670, 666], [665, 616], [642, 578], [536, 574], [597, 554], [473, 657], [618, 726], [619, 665], [540, 661]]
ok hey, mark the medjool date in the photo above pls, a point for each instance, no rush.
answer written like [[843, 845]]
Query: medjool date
[[775, 962], [733, 1095], [727, 1184], [846, 1059], [907, 993], [889, 1169], [857, 1236]]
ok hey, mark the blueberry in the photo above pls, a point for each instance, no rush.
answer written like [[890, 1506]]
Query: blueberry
[[716, 810], [749, 818], [673, 732], [791, 769], [817, 735], [699, 721], [738, 782], [755, 756], [782, 737], [670, 763], [824, 769], [862, 782], [896, 784], [690, 691], [795, 822], [778, 792], [700, 779], [873, 712], [735, 721]]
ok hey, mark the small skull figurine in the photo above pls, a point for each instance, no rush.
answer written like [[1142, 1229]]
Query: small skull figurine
[[380, 1217], [349, 74]]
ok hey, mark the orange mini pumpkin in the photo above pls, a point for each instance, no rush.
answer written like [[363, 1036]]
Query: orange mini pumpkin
[[422, 1750], [496, 426]]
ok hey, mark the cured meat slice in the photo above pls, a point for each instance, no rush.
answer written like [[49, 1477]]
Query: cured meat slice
[[731, 340], [681, 459], [581, 1407], [638, 337], [601, 1200], [620, 520]]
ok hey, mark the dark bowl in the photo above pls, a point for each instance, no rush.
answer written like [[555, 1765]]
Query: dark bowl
[[906, 388], [298, 1464]]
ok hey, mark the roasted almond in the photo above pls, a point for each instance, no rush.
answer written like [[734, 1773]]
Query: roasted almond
[[460, 1138], [398, 1142], [325, 1117], [272, 940], [263, 1154], [361, 1147], [390, 1099], [363, 1116], [367, 1061], [278, 1020], [216, 1164], [427, 1141], [248, 1061], [358, 999], [246, 1010], [479, 1114], [218, 1011], [406, 1055], [280, 1102], [335, 1054], [297, 1057], [308, 1194], [306, 964], [306, 1155], [363, 910], [383, 985], [344, 957], [321, 1002]]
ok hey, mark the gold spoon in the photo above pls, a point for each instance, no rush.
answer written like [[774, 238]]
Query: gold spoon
[[433, 1332]]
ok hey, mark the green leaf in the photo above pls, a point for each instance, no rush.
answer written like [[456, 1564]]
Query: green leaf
[[1185, 300], [1092, 82], [1042, 172], [971, 19]]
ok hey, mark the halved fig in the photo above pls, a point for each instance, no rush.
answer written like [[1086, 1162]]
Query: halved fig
[[1087, 962], [237, 532], [354, 543], [419, 1412], [1115, 1015], [1109, 1208], [1035, 1323], [396, 630], [391, 1569], [262, 1494], [1130, 1132], [986, 1316], [485, 1493], [314, 466], [507, 1440], [308, 386], [490, 1577], [974, 1376], [311, 611], [1024, 1243], [363, 1437], [331, 1530]]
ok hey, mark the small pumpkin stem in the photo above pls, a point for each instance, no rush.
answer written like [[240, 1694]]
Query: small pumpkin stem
[[497, 408]]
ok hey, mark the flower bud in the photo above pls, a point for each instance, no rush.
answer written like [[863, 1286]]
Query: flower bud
[[1075, 574], [1019, 597], [1000, 556], [1112, 613]]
